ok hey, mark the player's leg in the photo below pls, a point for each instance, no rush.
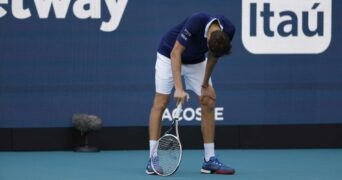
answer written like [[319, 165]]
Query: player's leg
[[208, 124], [211, 163], [159, 105], [164, 85], [193, 76]]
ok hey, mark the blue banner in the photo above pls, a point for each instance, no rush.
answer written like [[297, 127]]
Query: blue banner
[[60, 57]]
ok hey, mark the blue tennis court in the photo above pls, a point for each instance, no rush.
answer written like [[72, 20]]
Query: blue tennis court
[[313, 164]]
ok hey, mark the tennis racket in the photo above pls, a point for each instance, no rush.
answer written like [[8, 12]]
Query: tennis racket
[[167, 153]]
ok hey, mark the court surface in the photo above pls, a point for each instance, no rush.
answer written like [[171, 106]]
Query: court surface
[[293, 164]]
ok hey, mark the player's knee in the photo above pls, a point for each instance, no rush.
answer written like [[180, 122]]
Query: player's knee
[[208, 103], [159, 106]]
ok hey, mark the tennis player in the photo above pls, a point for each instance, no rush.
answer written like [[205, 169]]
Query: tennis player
[[182, 52]]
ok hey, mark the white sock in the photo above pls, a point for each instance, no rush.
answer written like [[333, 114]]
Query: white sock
[[209, 151], [152, 145]]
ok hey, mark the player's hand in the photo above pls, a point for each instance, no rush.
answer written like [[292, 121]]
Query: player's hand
[[181, 96], [208, 95]]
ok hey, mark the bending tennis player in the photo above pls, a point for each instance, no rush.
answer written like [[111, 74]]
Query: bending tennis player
[[182, 52]]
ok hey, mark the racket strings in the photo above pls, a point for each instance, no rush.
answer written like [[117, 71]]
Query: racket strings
[[169, 154]]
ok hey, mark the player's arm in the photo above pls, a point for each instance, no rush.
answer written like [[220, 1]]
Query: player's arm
[[211, 62], [176, 64], [191, 27], [207, 90]]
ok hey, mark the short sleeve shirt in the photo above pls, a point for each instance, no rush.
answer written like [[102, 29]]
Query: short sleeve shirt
[[192, 34]]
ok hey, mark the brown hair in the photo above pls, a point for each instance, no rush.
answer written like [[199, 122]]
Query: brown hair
[[219, 43]]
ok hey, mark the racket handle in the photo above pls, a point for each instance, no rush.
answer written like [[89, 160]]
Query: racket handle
[[179, 109]]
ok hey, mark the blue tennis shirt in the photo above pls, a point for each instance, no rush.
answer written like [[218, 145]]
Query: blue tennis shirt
[[192, 34]]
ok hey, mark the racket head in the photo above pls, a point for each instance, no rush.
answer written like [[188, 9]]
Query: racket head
[[168, 155]]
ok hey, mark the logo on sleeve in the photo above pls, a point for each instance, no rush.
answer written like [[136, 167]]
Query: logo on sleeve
[[185, 34], [286, 27]]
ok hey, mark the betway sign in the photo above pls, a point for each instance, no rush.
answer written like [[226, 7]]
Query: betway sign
[[82, 9]]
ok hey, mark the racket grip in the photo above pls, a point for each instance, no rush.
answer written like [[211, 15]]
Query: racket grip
[[179, 109]]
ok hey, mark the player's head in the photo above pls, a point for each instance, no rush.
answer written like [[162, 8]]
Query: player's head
[[219, 43]]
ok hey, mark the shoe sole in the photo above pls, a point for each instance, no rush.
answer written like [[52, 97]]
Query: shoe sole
[[150, 173], [205, 171]]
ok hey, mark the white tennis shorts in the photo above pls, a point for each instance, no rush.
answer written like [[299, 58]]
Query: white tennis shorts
[[193, 75]]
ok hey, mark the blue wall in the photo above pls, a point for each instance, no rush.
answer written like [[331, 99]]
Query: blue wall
[[52, 68]]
